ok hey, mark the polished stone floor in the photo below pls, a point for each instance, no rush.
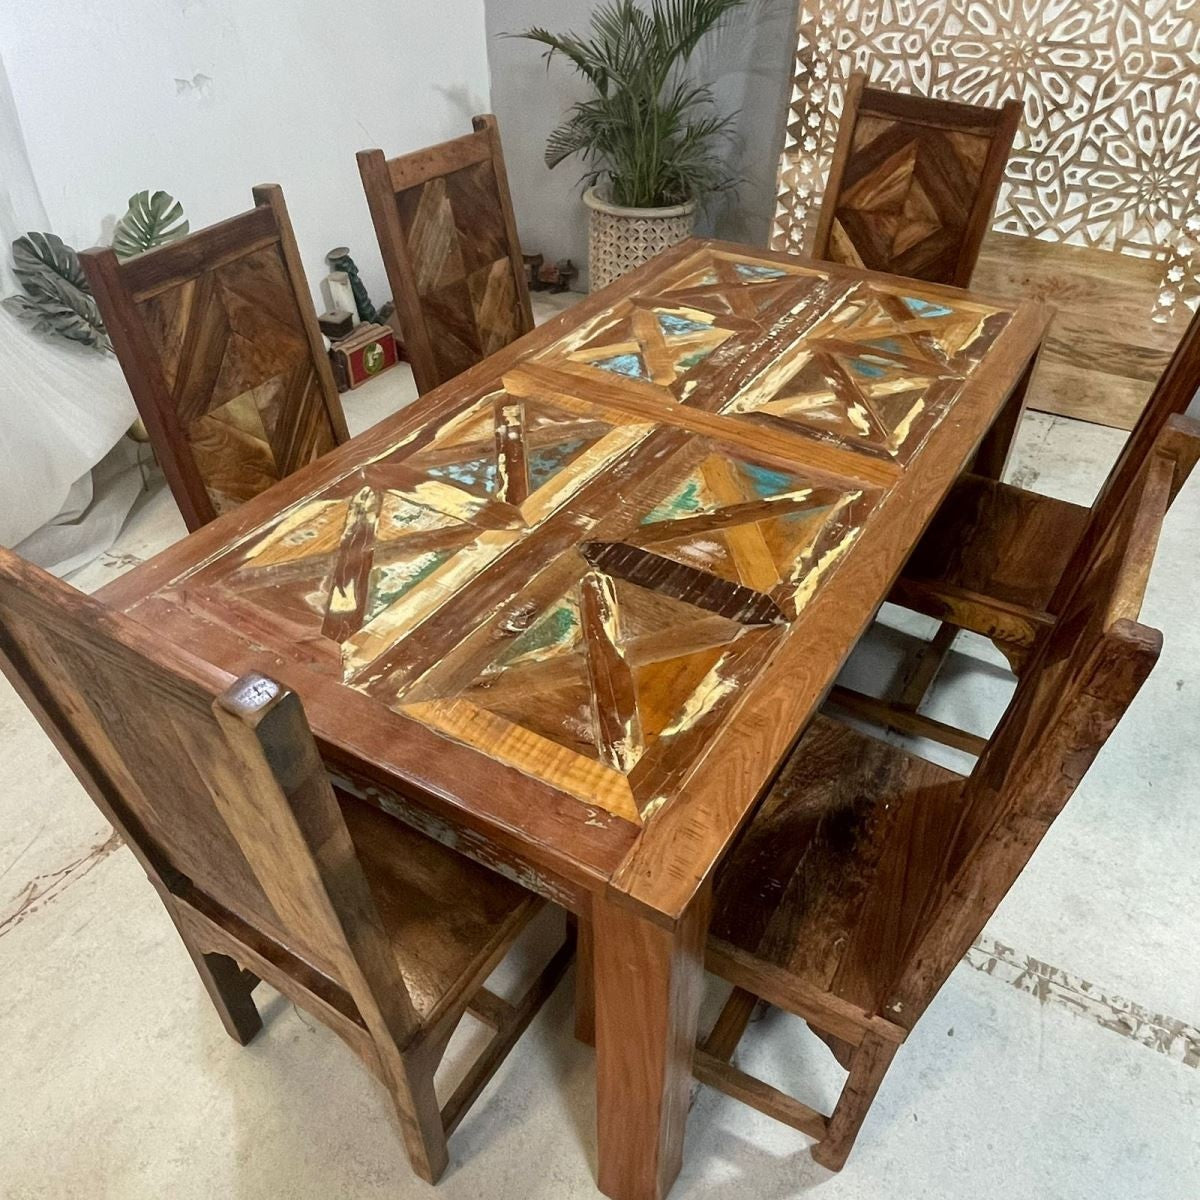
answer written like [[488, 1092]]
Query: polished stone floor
[[1062, 1060]]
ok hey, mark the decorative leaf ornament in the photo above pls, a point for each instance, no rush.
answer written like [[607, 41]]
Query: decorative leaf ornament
[[152, 221], [57, 298]]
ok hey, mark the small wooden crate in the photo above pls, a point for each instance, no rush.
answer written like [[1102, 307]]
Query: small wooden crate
[[362, 355]]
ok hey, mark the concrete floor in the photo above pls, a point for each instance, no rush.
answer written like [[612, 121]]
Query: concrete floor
[[1029, 1076]]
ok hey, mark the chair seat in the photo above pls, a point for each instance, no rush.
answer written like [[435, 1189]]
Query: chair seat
[[1000, 541], [828, 881], [449, 920]]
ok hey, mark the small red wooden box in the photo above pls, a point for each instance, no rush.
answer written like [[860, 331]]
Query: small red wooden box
[[363, 354]]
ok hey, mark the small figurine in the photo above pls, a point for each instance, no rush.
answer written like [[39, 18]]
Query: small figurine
[[533, 264], [339, 260], [555, 277]]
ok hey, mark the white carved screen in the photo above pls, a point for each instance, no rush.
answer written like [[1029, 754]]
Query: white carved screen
[[1108, 154]]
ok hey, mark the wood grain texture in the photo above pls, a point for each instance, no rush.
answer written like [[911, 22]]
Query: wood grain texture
[[220, 791], [867, 872], [996, 552], [1104, 352], [649, 982], [435, 571], [572, 619], [219, 343], [445, 224], [913, 182]]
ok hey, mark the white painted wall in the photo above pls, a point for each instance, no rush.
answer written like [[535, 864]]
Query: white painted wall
[[206, 98]]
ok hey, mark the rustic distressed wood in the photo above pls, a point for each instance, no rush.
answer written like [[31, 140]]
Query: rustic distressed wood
[[996, 555], [867, 872], [569, 611], [730, 1024], [446, 230], [220, 791], [219, 343], [644, 1065], [913, 182], [1109, 342]]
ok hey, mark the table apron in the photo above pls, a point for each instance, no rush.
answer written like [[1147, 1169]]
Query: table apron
[[474, 844]]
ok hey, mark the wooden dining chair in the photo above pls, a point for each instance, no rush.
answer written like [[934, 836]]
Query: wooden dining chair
[[867, 872], [444, 220], [218, 339], [267, 873], [997, 558], [913, 183]]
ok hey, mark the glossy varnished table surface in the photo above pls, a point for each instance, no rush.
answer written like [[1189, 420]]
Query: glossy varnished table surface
[[569, 610]]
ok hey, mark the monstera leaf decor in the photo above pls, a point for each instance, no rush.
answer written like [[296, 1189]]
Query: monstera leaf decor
[[56, 296], [152, 221]]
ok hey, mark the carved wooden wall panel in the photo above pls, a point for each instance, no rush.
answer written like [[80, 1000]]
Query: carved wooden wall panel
[[1108, 154]]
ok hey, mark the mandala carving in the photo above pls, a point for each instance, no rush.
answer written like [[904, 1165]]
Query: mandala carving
[[1108, 154]]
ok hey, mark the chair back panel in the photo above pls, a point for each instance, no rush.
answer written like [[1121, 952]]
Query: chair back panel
[[142, 737], [912, 183], [1077, 686], [1176, 388], [218, 339], [446, 231]]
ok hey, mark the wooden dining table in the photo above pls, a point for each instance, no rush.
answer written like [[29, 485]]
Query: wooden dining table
[[568, 612]]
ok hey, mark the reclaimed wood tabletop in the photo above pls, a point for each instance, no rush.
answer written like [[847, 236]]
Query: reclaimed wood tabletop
[[569, 611]]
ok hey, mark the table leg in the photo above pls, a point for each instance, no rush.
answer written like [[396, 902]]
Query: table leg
[[992, 456], [585, 982], [648, 983]]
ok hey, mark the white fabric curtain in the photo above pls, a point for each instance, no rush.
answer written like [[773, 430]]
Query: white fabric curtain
[[63, 408]]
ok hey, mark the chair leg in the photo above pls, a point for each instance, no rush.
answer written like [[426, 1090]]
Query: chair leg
[[735, 1015], [229, 988], [410, 1081], [867, 1069], [926, 667]]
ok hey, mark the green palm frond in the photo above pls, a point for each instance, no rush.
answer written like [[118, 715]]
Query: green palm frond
[[57, 298], [152, 221], [648, 130]]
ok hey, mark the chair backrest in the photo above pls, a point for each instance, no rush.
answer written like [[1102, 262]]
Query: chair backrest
[[1076, 687], [218, 789], [218, 339], [1176, 387], [912, 183], [444, 219]]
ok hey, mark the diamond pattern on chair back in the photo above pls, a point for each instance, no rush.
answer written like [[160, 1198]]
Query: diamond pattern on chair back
[[217, 337], [446, 231], [913, 183]]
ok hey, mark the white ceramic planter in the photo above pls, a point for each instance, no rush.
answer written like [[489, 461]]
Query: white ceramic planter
[[620, 239]]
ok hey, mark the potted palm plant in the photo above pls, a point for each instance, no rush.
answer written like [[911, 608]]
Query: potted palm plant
[[648, 135]]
